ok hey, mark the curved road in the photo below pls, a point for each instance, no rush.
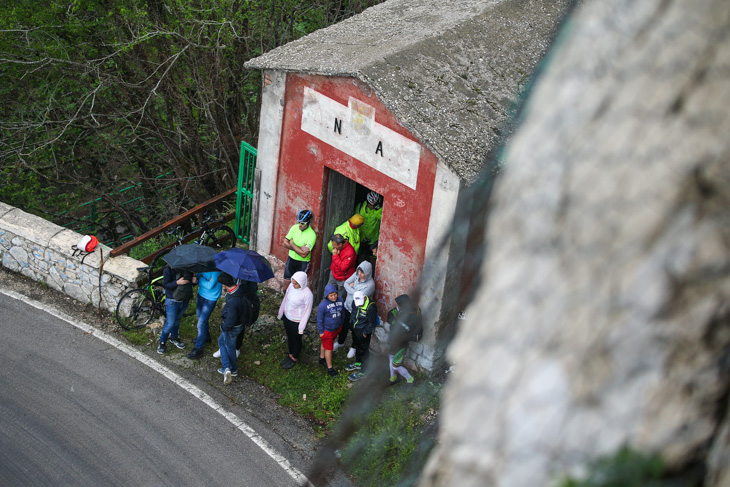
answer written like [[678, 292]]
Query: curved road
[[77, 411]]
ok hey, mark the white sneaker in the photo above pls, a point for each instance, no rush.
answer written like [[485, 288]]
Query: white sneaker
[[217, 354], [351, 353], [336, 346], [226, 377]]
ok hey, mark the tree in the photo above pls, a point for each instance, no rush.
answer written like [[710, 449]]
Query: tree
[[101, 94]]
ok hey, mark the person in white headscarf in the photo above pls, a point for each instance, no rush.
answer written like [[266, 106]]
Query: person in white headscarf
[[295, 309]]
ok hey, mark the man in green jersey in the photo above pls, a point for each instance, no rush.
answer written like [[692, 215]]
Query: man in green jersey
[[350, 229], [300, 241], [372, 212]]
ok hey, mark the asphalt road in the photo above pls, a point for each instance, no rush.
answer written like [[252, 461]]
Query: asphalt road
[[77, 411]]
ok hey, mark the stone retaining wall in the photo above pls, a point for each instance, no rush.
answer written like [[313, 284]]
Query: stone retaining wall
[[43, 251]]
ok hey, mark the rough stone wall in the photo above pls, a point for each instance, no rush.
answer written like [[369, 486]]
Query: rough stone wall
[[604, 313], [42, 251]]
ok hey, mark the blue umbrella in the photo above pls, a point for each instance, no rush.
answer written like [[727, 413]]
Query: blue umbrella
[[244, 264]]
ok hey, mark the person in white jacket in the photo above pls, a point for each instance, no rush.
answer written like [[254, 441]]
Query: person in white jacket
[[361, 280], [295, 309]]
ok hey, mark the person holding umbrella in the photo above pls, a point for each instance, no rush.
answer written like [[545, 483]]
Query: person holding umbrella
[[188, 260], [209, 290], [236, 315], [248, 267], [178, 285], [295, 309]]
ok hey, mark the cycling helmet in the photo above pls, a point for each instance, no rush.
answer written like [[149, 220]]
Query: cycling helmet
[[304, 216], [373, 198]]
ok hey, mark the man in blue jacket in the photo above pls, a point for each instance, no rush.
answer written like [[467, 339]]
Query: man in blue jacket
[[236, 314], [330, 317], [209, 290]]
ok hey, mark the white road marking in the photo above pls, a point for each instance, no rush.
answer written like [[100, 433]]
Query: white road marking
[[177, 379]]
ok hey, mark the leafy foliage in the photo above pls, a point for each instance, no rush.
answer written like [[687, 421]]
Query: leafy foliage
[[101, 94]]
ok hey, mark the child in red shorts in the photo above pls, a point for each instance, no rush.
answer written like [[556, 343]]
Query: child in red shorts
[[330, 318]]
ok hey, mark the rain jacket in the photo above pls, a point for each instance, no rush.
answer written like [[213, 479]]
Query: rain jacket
[[297, 303], [351, 234], [329, 315], [172, 290], [370, 229], [365, 317], [238, 310], [405, 324], [353, 284], [343, 264]]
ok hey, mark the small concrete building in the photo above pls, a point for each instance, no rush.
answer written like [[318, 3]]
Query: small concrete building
[[405, 99]]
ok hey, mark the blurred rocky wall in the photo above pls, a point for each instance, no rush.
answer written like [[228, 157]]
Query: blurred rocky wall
[[604, 314]]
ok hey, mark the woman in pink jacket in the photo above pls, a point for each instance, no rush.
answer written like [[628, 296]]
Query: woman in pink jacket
[[294, 312]]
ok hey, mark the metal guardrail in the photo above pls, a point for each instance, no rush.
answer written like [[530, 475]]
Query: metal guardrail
[[126, 247]]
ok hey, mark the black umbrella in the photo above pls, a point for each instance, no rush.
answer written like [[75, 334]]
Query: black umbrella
[[191, 257]]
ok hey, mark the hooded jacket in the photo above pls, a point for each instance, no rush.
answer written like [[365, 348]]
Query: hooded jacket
[[330, 315], [405, 324], [353, 284], [297, 303], [238, 310]]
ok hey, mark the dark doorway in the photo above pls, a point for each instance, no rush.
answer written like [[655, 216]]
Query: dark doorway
[[342, 195]]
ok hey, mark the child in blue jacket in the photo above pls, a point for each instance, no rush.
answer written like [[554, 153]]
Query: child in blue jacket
[[330, 318]]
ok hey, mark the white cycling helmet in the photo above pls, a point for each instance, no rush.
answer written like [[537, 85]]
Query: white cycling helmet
[[374, 198]]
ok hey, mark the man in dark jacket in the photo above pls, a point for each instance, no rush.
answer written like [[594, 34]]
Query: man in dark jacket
[[364, 321], [405, 326], [178, 287], [236, 314]]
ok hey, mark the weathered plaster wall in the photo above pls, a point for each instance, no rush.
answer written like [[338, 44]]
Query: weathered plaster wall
[[42, 251], [604, 314], [267, 159]]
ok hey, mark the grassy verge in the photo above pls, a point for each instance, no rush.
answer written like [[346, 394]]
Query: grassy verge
[[392, 440]]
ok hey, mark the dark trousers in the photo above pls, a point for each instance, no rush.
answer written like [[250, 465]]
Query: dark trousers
[[239, 338], [361, 344], [346, 326], [293, 338]]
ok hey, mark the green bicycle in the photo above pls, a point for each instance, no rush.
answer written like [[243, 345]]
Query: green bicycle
[[138, 307]]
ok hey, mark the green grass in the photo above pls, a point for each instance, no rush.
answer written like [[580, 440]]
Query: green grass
[[625, 468], [394, 438], [388, 447]]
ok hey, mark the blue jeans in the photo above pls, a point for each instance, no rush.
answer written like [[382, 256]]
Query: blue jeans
[[203, 308], [175, 311], [227, 344]]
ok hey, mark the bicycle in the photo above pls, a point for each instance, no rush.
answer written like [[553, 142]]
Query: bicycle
[[138, 307], [216, 238]]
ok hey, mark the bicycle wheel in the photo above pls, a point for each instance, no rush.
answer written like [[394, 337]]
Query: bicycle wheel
[[135, 309], [157, 263], [221, 238]]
